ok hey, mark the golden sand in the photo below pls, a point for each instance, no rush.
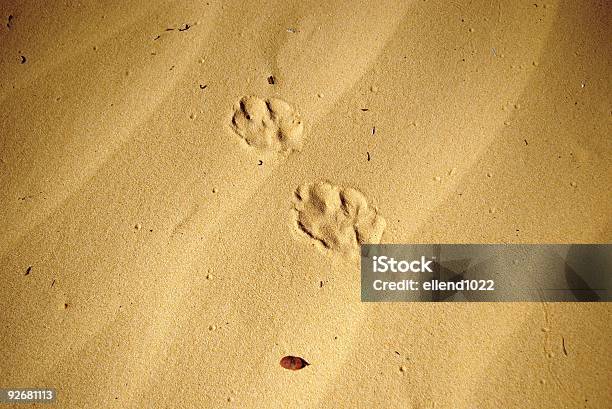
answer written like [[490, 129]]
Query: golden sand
[[155, 250]]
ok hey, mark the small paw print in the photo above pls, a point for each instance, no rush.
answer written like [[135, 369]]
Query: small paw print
[[268, 124]]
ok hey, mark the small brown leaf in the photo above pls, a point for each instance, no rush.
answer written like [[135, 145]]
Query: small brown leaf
[[293, 363]]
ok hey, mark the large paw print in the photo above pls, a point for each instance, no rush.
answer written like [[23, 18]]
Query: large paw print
[[339, 218], [268, 124]]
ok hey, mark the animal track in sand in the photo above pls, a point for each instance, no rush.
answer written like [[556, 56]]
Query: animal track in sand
[[268, 124], [337, 217]]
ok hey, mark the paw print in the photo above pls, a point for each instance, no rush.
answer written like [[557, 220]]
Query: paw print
[[339, 218], [268, 124]]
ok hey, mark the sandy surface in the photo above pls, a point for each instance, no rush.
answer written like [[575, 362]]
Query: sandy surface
[[158, 213]]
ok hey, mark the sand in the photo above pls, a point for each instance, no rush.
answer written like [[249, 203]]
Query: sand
[[151, 157]]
